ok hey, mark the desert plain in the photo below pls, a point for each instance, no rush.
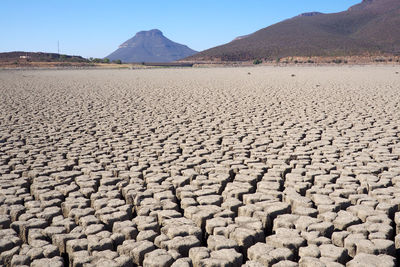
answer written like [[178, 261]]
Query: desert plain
[[258, 166]]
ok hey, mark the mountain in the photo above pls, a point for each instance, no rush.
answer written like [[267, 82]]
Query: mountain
[[150, 46], [368, 28]]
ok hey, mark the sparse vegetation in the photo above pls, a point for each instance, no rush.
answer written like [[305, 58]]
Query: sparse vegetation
[[97, 60], [380, 60], [104, 60], [257, 61]]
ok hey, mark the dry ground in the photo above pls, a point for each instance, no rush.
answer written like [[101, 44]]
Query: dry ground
[[200, 167]]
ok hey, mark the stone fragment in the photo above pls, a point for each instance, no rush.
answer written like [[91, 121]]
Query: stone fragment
[[158, 258], [361, 260]]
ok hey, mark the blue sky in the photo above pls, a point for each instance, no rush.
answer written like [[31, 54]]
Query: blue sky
[[95, 28]]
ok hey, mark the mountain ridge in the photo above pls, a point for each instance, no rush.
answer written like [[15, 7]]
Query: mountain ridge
[[367, 28], [39, 57]]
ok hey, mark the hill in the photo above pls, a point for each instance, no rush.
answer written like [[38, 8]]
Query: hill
[[19, 59], [150, 46], [368, 28], [39, 57]]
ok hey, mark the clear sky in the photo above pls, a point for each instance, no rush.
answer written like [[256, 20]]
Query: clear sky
[[95, 28]]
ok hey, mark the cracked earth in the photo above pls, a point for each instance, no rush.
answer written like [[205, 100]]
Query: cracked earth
[[266, 166]]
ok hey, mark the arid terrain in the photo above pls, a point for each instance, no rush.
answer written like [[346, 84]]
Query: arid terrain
[[369, 28], [257, 166]]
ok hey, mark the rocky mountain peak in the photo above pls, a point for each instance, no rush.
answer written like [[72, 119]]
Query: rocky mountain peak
[[150, 46], [154, 32]]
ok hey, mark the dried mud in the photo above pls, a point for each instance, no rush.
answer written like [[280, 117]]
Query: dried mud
[[266, 166]]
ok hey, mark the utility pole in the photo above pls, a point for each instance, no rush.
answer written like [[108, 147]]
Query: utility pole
[[58, 47]]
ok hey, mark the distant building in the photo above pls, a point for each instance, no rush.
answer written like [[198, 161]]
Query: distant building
[[24, 57]]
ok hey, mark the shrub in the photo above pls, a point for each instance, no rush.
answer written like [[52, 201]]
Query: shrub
[[106, 60], [257, 61], [380, 60], [97, 60], [118, 61]]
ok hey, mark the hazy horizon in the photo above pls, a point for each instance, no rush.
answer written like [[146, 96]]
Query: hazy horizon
[[96, 28]]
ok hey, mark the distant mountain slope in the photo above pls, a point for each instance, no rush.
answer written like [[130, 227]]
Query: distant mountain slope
[[39, 57], [371, 27], [150, 46]]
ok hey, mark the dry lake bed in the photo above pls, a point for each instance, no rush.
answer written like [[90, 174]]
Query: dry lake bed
[[263, 166]]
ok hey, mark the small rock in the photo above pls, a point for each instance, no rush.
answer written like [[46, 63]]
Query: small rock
[[158, 258]]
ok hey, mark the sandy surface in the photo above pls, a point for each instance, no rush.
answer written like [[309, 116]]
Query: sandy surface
[[200, 167]]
